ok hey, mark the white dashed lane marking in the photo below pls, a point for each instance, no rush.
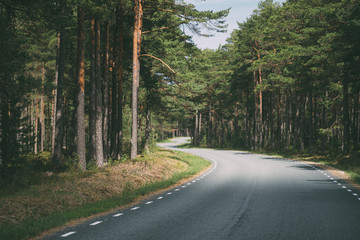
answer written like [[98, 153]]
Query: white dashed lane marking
[[335, 181], [95, 223], [118, 215], [159, 198], [67, 234]]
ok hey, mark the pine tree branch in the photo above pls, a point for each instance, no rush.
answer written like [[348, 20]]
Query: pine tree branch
[[147, 55]]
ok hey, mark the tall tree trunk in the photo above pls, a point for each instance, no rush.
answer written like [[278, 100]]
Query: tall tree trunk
[[114, 96], [99, 149], [260, 121], [278, 128], [209, 128], [256, 117], [287, 120], [302, 122], [120, 81], [272, 122], [356, 121], [200, 127], [136, 74], [59, 128], [148, 129], [311, 118], [53, 122], [106, 91], [42, 112], [36, 123], [346, 117], [92, 109], [196, 128], [80, 77], [235, 135]]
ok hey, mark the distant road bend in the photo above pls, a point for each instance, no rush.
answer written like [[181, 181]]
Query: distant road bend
[[244, 196]]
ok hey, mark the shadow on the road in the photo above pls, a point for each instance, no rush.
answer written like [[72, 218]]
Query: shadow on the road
[[325, 181], [303, 167], [244, 153], [275, 159]]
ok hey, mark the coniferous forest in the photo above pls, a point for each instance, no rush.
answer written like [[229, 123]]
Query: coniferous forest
[[84, 82]]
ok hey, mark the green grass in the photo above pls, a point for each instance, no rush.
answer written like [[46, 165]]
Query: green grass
[[31, 227]]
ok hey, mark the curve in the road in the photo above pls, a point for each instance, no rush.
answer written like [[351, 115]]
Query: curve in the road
[[245, 196]]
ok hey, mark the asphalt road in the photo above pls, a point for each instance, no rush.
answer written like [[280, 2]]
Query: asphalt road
[[244, 196]]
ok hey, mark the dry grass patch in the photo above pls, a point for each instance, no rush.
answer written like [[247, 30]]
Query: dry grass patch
[[71, 190]]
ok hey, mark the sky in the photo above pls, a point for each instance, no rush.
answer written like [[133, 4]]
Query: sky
[[239, 12]]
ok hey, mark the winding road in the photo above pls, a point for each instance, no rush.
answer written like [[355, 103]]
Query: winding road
[[244, 196]]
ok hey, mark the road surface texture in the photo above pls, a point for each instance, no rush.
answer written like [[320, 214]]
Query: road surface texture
[[244, 196]]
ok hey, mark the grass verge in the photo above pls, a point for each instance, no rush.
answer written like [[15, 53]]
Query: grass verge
[[164, 167]]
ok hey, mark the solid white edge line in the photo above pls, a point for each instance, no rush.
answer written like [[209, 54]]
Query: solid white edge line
[[67, 234]]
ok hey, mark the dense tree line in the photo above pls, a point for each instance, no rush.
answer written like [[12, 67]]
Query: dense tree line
[[73, 71], [91, 81], [287, 79]]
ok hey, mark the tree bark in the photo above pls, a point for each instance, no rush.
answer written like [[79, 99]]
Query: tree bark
[[80, 77], [99, 149], [36, 123], [356, 121], [42, 112], [106, 91], [260, 121], [92, 109], [147, 130], [346, 117], [59, 128], [120, 82], [114, 95], [53, 122], [136, 74]]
